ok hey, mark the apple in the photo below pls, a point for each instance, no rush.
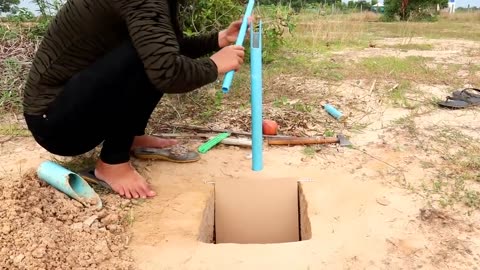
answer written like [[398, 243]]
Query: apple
[[269, 127]]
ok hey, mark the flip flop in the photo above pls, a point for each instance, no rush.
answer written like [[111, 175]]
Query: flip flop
[[454, 104], [176, 153], [468, 94], [462, 99], [89, 176]]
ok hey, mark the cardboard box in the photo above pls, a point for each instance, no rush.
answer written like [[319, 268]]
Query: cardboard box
[[256, 211]]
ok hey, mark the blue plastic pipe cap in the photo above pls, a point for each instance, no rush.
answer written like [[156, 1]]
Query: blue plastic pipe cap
[[69, 183]]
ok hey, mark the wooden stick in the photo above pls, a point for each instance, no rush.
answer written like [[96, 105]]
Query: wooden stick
[[184, 135], [302, 140], [228, 141], [204, 129], [373, 86]]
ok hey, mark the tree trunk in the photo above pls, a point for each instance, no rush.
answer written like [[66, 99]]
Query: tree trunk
[[403, 10]]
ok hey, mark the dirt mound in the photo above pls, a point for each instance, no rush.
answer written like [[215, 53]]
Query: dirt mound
[[44, 229]]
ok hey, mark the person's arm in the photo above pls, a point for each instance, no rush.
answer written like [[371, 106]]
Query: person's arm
[[153, 36], [200, 45]]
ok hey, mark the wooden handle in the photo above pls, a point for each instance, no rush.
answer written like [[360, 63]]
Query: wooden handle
[[301, 140]]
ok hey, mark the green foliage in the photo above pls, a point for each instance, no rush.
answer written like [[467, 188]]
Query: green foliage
[[417, 10], [21, 15], [8, 5], [48, 8], [276, 21], [199, 16]]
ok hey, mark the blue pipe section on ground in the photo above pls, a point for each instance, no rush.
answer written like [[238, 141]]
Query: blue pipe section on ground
[[333, 111], [256, 97], [227, 80], [67, 182]]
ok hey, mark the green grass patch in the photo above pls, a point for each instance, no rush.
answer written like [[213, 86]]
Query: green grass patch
[[309, 151], [411, 68], [13, 130], [393, 66], [303, 65]]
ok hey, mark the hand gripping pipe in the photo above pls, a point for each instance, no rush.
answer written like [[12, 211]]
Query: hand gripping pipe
[[227, 80], [256, 96]]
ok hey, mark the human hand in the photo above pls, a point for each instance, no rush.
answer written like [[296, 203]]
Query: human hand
[[229, 58], [230, 35]]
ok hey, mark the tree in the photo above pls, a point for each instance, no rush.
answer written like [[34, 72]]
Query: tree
[[8, 5], [404, 9]]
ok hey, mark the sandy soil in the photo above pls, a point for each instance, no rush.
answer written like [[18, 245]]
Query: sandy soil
[[366, 205], [44, 229]]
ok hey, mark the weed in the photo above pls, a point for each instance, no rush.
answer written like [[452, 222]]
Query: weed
[[459, 169], [407, 123], [302, 107], [309, 151], [6, 33], [280, 102], [13, 130], [472, 198], [329, 133]]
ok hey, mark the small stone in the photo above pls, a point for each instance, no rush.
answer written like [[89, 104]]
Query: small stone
[[37, 210], [112, 227], [18, 259], [101, 246], [39, 253], [102, 214], [77, 226], [110, 219], [89, 221], [4, 251], [6, 229], [383, 201], [77, 204], [125, 203]]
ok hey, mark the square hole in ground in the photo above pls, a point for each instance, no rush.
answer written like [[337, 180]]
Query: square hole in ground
[[256, 212]]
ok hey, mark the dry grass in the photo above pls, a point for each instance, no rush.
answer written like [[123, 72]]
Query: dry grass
[[466, 16]]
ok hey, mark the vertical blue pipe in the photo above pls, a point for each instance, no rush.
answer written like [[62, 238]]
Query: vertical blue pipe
[[227, 80], [256, 96]]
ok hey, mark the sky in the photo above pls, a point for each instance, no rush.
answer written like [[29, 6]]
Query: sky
[[459, 3]]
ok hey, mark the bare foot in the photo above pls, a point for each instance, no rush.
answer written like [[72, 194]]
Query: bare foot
[[152, 142], [124, 180]]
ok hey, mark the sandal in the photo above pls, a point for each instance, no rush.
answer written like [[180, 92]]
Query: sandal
[[466, 95], [462, 99], [177, 153], [89, 176]]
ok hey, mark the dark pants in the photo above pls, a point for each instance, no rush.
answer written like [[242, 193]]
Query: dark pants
[[111, 102]]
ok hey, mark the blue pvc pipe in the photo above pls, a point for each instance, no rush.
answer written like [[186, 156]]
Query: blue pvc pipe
[[333, 111], [227, 80], [256, 96], [67, 182]]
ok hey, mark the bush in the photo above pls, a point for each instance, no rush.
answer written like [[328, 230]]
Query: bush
[[200, 16], [416, 10]]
